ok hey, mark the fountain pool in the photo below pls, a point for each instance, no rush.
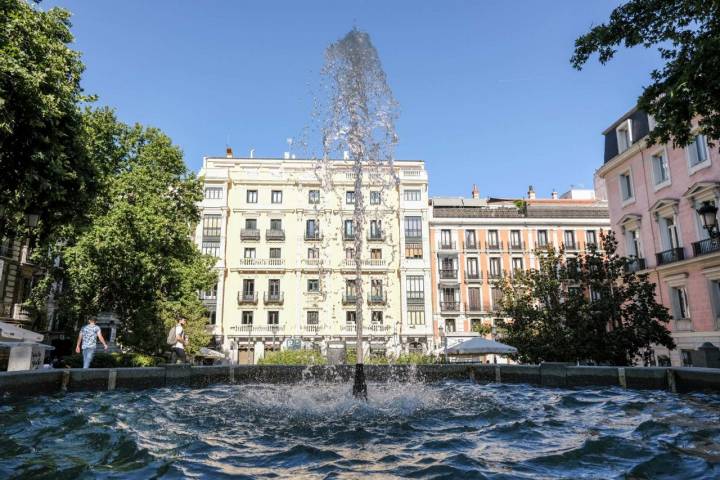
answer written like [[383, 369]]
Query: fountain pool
[[405, 430]]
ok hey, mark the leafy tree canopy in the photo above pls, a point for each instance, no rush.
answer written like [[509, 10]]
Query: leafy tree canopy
[[588, 309], [687, 35]]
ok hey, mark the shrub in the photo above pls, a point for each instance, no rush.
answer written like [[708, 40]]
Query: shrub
[[113, 360], [293, 357]]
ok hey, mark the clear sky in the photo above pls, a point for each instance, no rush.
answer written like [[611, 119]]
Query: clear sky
[[486, 91]]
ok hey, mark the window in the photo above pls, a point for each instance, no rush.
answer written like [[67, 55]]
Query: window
[[211, 248], [595, 295], [517, 264], [412, 195], [247, 318], [348, 229], [497, 296], [669, 233], [448, 296], [275, 224], [350, 289], [590, 237], [349, 253], [376, 288], [313, 285], [313, 253], [209, 294], [450, 325], [697, 151], [350, 197], [474, 299], [416, 317], [472, 267], [495, 267], [626, 189], [276, 196], [273, 317], [350, 317], [376, 317], [515, 240], [661, 172], [274, 287], [375, 229], [413, 227], [375, 198], [446, 238], [542, 238], [624, 138], [311, 229], [678, 296], [275, 253], [213, 193], [493, 239], [250, 224], [248, 287], [470, 241], [313, 317], [415, 288], [251, 196], [634, 248], [211, 226], [413, 250], [376, 253], [569, 236], [314, 197]]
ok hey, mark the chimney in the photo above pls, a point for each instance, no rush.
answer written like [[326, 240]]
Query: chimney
[[531, 193], [554, 194], [475, 192], [228, 152]]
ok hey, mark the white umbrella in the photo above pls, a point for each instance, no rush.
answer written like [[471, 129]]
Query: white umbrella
[[209, 353], [480, 346], [13, 332]]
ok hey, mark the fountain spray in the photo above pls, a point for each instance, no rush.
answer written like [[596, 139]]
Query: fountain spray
[[361, 115]]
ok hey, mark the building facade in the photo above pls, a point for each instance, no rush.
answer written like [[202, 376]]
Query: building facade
[[654, 192], [17, 276], [477, 241], [283, 233]]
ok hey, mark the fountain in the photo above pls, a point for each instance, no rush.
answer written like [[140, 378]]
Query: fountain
[[359, 124]]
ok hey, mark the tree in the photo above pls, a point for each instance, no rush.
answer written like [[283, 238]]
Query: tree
[[589, 309], [133, 253], [45, 168], [687, 35]]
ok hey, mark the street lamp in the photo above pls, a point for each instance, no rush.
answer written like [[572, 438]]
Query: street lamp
[[32, 219], [708, 213]]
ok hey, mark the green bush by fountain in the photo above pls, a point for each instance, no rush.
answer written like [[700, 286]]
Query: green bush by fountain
[[114, 360], [293, 357]]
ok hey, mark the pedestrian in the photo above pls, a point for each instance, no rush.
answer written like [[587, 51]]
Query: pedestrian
[[89, 335], [179, 337]]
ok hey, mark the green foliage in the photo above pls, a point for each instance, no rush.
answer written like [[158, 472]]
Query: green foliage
[[45, 166], [133, 253], [554, 317], [482, 328], [415, 359], [687, 35], [114, 360], [293, 357]]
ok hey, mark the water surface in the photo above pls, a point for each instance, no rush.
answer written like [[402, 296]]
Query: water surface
[[449, 430]]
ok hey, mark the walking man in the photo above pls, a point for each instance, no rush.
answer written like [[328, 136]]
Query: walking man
[[181, 340], [89, 335]]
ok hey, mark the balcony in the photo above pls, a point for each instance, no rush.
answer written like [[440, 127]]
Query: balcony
[[635, 264], [570, 247], [26, 255], [250, 234], [494, 245], [416, 298], [349, 299], [312, 236], [379, 328], [349, 328], [413, 236], [273, 298], [376, 236], [517, 246], [496, 275], [311, 262], [247, 298], [311, 329], [670, 256], [262, 262], [703, 247], [365, 263], [448, 274], [450, 306], [473, 277], [447, 246], [681, 325], [474, 307], [377, 298], [275, 235], [544, 245], [348, 236]]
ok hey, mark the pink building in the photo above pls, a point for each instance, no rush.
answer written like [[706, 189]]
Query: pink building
[[654, 192]]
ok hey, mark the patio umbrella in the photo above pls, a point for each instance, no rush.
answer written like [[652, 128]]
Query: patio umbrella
[[480, 346]]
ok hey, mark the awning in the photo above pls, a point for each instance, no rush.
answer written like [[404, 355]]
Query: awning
[[13, 332], [480, 346], [209, 353]]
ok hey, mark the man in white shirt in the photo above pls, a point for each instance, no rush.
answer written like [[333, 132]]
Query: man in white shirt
[[181, 340]]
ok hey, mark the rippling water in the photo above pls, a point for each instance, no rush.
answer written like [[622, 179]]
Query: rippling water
[[450, 430]]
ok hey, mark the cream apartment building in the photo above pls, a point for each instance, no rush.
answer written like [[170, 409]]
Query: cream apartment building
[[283, 234]]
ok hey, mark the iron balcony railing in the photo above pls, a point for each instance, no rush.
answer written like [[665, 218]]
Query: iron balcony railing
[[348, 236], [543, 245], [635, 264], [448, 274], [703, 247], [249, 234], [447, 245], [473, 307], [570, 246], [471, 244], [517, 245], [494, 245], [670, 256], [496, 275], [377, 298], [473, 277], [450, 306], [247, 298], [312, 235], [349, 298], [270, 298], [376, 236], [274, 234]]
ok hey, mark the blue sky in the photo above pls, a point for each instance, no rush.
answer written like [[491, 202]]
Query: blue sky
[[486, 91]]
